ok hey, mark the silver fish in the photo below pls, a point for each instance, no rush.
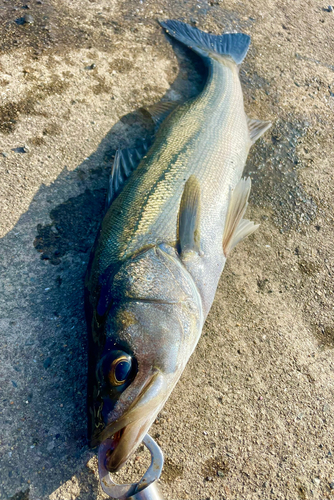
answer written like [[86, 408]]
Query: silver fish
[[175, 213]]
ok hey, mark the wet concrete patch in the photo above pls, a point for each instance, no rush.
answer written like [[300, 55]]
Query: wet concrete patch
[[215, 467], [56, 29], [171, 471], [11, 111], [273, 166], [324, 333], [48, 27]]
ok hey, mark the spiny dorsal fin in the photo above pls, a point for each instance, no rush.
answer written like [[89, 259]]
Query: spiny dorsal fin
[[125, 162], [189, 216], [257, 128], [160, 111], [237, 228]]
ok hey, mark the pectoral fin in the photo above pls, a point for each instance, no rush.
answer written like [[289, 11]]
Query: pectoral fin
[[189, 217], [237, 228], [257, 128]]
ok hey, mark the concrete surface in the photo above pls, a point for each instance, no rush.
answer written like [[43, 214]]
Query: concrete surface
[[252, 416]]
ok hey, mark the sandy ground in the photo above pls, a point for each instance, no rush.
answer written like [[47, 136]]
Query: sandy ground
[[252, 416]]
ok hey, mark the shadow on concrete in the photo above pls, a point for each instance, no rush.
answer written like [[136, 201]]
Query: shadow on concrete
[[43, 262]]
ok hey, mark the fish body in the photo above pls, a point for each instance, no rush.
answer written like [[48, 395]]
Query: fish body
[[207, 137], [162, 246]]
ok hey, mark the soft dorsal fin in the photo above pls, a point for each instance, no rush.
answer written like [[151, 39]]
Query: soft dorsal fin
[[125, 162], [189, 216], [257, 128], [159, 111], [236, 228]]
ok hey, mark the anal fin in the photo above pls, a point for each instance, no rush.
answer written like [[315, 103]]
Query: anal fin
[[189, 215], [236, 228], [257, 128]]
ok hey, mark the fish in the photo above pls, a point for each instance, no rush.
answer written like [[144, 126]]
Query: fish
[[175, 211]]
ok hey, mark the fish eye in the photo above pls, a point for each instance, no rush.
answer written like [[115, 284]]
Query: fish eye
[[120, 370]]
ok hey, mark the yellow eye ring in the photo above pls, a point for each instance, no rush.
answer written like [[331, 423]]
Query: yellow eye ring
[[112, 373]]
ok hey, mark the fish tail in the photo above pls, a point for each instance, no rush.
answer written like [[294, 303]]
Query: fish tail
[[234, 45]]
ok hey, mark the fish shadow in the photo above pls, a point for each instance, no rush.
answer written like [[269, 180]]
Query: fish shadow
[[43, 261]]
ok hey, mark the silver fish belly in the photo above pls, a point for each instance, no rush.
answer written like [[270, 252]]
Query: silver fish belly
[[162, 246]]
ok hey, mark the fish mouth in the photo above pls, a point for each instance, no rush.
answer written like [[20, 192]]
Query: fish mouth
[[115, 451], [121, 438]]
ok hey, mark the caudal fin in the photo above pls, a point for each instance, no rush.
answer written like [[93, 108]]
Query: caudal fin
[[234, 45]]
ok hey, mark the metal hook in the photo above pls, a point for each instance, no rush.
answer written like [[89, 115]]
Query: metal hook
[[145, 489]]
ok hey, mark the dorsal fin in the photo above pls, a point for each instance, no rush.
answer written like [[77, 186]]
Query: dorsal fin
[[236, 228], [257, 128], [189, 216], [125, 162]]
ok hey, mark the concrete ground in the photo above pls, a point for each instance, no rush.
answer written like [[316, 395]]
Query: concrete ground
[[252, 416]]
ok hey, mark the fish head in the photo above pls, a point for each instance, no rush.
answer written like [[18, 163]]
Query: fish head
[[148, 341]]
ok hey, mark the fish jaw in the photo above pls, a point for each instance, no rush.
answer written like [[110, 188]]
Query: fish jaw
[[125, 442], [121, 438]]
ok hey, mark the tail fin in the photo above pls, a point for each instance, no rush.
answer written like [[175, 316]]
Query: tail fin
[[234, 45]]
